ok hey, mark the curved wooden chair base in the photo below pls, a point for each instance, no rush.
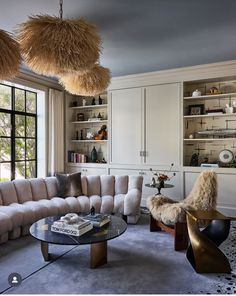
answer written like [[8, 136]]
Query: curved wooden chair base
[[179, 231]]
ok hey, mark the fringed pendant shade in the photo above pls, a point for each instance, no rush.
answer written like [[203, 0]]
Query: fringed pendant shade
[[91, 83], [52, 46], [10, 57]]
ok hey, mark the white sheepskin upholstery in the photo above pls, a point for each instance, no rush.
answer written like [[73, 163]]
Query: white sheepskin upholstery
[[202, 197]]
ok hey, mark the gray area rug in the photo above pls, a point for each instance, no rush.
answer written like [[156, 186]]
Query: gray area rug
[[139, 262]]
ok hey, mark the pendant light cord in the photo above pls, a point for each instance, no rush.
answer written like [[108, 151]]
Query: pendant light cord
[[61, 9]]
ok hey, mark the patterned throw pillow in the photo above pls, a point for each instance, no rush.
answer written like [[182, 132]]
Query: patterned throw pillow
[[69, 184]]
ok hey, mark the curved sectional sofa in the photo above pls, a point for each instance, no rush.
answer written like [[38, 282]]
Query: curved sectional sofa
[[22, 202]]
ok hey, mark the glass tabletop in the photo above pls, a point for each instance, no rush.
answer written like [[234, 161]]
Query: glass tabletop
[[41, 230], [157, 185]]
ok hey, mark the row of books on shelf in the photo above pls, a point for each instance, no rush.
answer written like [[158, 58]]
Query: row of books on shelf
[[72, 224], [77, 157]]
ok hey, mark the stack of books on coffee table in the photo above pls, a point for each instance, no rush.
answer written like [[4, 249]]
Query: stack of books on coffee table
[[77, 226], [98, 220]]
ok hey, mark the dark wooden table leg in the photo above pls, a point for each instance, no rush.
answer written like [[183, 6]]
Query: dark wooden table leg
[[44, 250], [98, 254]]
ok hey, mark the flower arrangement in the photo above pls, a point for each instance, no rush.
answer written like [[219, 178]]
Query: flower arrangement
[[163, 176]]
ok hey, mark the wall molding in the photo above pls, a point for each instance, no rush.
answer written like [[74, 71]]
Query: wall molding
[[206, 71]]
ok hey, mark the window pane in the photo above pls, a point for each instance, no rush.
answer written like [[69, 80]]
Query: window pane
[[5, 149], [5, 124], [30, 169], [20, 170], [5, 97], [30, 149], [20, 125], [30, 126], [30, 102], [19, 100], [20, 149], [5, 171]]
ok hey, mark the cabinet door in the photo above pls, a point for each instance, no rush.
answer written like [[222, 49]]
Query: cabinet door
[[87, 171], [126, 126], [162, 124]]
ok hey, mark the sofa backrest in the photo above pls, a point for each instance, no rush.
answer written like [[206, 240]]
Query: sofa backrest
[[51, 186], [23, 190], [8, 193], [38, 187], [1, 201]]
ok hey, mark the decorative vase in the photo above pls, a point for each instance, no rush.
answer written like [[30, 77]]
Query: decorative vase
[[94, 155]]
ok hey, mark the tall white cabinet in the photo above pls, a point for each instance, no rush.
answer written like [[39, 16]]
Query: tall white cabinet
[[142, 133]]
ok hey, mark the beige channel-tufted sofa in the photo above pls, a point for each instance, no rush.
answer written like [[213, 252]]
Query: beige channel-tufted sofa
[[22, 202]]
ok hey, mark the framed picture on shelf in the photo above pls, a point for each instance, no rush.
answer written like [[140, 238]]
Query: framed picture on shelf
[[196, 109]]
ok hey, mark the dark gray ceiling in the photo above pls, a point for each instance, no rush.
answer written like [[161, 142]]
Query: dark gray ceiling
[[145, 35]]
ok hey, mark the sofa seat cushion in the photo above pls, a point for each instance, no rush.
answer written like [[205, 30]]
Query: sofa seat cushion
[[73, 204], [84, 203], [23, 190], [28, 214], [52, 209], [96, 202], [107, 204], [8, 193], [15, 216], [38, 187], [119, 203], [6, 223], [61, 205], [39, 210]]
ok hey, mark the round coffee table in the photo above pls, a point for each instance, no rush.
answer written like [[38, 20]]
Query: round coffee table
[[97, 238]]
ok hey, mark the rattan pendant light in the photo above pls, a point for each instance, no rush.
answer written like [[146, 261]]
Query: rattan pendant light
[[10, 58], [52, 45], [91, 83]]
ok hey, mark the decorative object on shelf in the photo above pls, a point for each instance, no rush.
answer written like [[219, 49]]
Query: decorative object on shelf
[[196, 93], [102, 133], [218, 132], [100, 100], [94, 155], [196, 109], [194, 160], [80, 117], [91, 83], [228, 109], [99, 115], [214, 91], [90, 135], [74, 104], [81, 134], [77, 135], [226, 156], [84, 102], [191, 136], [93, 101], [234, 106], [10, 57], [215, 111], [55, 46]]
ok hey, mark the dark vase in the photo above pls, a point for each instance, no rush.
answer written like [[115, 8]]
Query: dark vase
[[94, 155]]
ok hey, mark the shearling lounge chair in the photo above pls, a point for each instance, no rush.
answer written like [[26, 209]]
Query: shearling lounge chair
[[169, 215]]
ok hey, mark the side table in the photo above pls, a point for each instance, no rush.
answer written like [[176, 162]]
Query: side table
[[159, 186], [203, 252]]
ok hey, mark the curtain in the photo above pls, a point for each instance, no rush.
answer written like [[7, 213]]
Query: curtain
[[55, 132]]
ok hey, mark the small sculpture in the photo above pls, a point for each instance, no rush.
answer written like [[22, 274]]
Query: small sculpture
[[102, 133], [92, 211]]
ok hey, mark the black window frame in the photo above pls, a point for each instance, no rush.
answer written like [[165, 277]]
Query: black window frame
[[13, 136]]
